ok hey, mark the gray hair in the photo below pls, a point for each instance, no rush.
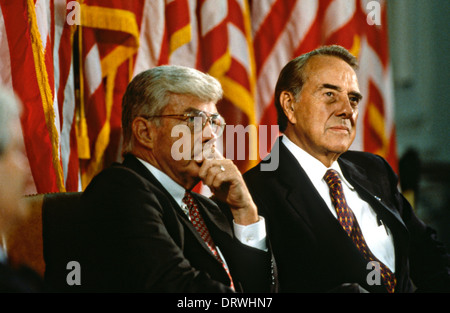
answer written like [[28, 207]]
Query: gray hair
[[292, 76], [10, 107], [150, 92]]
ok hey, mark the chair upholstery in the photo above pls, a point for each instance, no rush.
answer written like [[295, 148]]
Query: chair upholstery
[[24, 244], [47, 239], [60, 227]]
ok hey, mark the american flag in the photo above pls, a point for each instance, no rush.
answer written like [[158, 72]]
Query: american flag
[[71, 77], [36, 62], [284, 29]]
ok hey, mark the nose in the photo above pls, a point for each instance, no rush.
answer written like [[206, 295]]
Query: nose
[[345, 108], [208, 130]]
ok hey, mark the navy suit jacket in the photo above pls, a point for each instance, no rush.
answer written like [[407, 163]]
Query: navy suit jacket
[[313, 252], [136, 238]]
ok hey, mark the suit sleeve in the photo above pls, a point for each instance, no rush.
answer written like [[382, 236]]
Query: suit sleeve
[[127, 242], [429, 259]]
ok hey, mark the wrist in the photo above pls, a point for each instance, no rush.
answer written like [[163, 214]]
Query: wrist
[[245, 215]]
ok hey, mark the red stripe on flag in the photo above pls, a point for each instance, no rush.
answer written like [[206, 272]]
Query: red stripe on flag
[[268, 33], [177, 15], [377, 35], [213, 45], [37, 139], [239, 74], [235, 15], [374, 137]]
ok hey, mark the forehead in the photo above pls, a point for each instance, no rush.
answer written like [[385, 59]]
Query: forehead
[[185, 103], [330, 70]]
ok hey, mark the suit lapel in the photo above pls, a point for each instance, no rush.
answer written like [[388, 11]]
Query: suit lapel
[[322, 229], [370, 192], [367, 189], [307, 202], [213, 216], [293, 183], [134, 164], [216, 223], [299, 191], [209, 210]]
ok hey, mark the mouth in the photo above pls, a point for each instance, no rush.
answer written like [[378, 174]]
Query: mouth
[[200, 157], [199, 162], [340, 129]]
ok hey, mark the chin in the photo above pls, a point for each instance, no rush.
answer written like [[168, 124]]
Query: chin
[[192, 176], [191, 184], [339, 149]]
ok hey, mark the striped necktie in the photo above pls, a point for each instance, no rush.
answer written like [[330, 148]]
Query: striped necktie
[[350, 225], [200, 226]]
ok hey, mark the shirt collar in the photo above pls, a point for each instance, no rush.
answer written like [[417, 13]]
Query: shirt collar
[[314, 169], [174, 189]]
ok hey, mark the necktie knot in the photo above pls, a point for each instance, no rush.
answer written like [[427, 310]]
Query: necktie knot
[[196, 219], [332, 179], [188, 200]]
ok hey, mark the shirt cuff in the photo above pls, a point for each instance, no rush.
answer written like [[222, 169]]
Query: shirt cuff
[[253, 235]]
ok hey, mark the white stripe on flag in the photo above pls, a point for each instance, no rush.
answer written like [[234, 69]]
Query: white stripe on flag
[[301, 19], [212, 13], [5, 58]]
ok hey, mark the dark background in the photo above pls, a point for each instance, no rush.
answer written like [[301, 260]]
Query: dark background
[[420, 55]]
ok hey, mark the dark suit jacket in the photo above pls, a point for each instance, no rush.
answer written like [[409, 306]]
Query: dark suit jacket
[[20, 280], [312, 251], [136, 238]]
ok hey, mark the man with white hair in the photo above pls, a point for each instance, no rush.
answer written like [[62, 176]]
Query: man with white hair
[[145, 229]]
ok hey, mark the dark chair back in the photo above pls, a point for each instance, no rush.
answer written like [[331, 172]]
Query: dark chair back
[[61, 221]]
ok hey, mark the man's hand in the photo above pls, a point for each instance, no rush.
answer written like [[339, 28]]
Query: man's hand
[[225, 181]]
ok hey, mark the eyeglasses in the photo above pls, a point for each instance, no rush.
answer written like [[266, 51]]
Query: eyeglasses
[[216, 121]]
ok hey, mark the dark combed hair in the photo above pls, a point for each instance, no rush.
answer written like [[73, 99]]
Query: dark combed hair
[[292, 76]]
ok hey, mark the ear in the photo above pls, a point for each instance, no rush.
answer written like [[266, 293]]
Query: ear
[[143, 132], [287, 102]]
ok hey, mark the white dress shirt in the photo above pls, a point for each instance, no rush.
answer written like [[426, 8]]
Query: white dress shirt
[[253, 235], [378, 237]]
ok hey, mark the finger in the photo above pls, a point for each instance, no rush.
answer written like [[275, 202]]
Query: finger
[[218, 155], [218, 180], [210, 170], [206, 166], [210, 152], [217, 171]]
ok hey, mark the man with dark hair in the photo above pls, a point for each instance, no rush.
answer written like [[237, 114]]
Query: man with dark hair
[[145, 230], [293, 76], [336, 219]]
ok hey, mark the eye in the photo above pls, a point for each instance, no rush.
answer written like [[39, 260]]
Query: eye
[[191, 119], [329, 96], [215, 120], [203, 116], [354, 100]]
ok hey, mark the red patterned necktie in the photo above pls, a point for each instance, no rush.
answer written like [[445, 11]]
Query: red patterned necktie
[[351, 226], [200, 226]]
